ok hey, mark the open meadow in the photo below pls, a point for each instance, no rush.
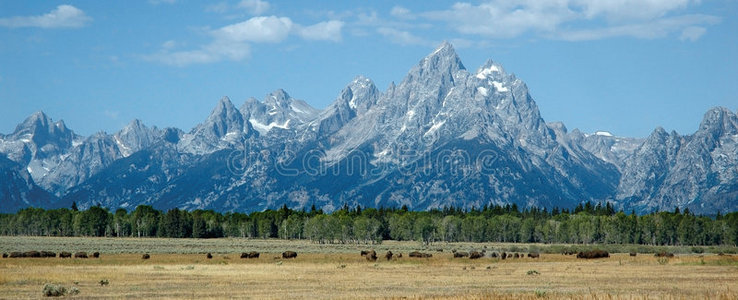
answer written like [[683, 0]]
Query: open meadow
[[178, 268]]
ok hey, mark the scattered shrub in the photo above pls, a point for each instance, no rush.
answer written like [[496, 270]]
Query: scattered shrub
[[663, 260], [104, 282], [53, 290], [664, 254], [73, 291], [533, 272]]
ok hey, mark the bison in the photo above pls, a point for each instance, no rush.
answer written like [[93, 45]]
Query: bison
[[633, 254], [420, 254], [494, 254], [48, 254], [534, 255], [209, 256], [516, 255], [289, 254], [80, 254], [65, 254], [145, 256], [17, 254], [371, 256], [399, 255], [460, 254], [5, 255], [32, 254], [475, 255], [96, 254], [503, 255], [388, 255], [593, 254]]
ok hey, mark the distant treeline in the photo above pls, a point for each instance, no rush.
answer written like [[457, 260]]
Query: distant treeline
[[587, 223]]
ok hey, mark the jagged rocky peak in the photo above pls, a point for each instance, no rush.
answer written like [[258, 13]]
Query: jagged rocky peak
[[355, 99], [490, 69], [41, 129], [363, 94], [720, 121], [443, 58], [224, 119], [277, 110], [134, 137]]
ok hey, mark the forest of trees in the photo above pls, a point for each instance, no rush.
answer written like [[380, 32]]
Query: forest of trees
[[586, 224]]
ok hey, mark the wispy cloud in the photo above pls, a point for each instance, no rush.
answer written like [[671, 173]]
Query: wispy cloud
[[325, 31], [404, 38], [233, 42], [63, 16], [573, 20], [255, 7]]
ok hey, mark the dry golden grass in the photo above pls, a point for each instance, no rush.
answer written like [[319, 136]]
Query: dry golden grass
[[344, 275]]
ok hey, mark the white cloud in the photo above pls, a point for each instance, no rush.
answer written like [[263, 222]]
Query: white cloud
[[63, 16], [255, 7], [402, 13], [573, 19], [233, 42], [692, 33], [326, 31], [403, 37], [257, 29]]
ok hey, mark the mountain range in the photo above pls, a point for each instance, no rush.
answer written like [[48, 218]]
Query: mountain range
[[442, 136]]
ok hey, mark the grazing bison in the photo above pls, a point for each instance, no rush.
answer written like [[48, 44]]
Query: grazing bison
[[252, 254], [80, 254], [5, 255], [388, 255], [494, 254], [664, 254], [371, 256], [475, 255], [364, 252], [503, 255], [209, 256], [516, 255], [17, 254], [593, 254], [48, 254], [460, 254], [420, 254], [65, 254], [145, 256], [289, 254], [534, 255], [96, 254], [569, 252], [633, 254], [32, 254], [399, 255]]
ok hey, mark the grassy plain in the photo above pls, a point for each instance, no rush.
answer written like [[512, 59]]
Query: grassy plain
[[177, 269]]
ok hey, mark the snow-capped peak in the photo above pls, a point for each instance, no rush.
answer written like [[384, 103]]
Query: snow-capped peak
[[604, 133]]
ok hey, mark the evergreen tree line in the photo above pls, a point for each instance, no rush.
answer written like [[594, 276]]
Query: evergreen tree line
[[586, 224]]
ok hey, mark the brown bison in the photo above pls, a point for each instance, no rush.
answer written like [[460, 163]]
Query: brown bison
[[460, 254], [420, 254], [17, 254], [209, 256], [516, 255], [5, 255], [48, 254], [32, 254], [664, 254], [494, 254], [65, 254], [475, 255], [593, 254], [289, 254], [388, 255], [96, 254], [399, 255], [534, 255], [145, 256], [252, 254], [80, 254], [569, 252], [364, 252], [633, 254], [503, 255], [371, 256]]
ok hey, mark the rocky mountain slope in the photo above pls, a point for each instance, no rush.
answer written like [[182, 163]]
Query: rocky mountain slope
[[442, 136]]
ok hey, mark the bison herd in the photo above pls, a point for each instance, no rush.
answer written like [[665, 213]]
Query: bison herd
[[43, 254]]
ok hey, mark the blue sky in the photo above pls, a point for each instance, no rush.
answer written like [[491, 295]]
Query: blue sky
[[624, 66]]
